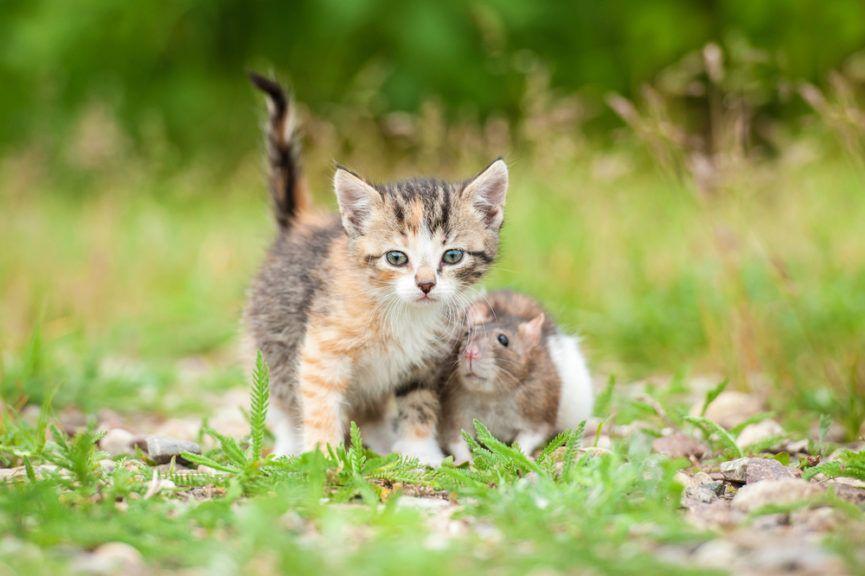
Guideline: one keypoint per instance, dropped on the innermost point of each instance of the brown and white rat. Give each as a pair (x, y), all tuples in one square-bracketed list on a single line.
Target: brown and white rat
[(517, 373)]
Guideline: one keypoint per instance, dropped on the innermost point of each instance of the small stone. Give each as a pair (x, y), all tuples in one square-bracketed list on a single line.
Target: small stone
[(699, 489), (698, 495), (718, 553), (797, 557), (849, 489), (715, 486), (161, 449), (760, 432), (734, 470), (181, 428), (118, 442), (731, 408), (835, 433), (823, 519), (797, 447), (679, 446), (750, 470), (111, 558), (72, 420), (423, 503), (11, 474), (760, 469), (108, 466), (784, 491)]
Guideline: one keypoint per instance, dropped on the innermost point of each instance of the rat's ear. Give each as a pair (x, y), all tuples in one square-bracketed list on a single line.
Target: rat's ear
[(530, 331), (356, 199), (478, 313)]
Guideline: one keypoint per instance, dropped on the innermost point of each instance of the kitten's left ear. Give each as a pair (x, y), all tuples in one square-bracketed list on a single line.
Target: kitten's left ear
[(487, 193), (530, 331), (356, 199)]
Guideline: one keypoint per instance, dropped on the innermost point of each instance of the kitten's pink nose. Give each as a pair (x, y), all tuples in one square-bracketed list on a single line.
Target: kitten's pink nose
[(425, 278)]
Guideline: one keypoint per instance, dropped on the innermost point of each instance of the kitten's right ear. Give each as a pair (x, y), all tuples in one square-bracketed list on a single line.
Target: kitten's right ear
[(356, 199), (487, 192)]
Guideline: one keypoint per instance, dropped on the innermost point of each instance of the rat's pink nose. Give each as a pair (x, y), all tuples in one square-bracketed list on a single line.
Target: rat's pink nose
[(472, 353)]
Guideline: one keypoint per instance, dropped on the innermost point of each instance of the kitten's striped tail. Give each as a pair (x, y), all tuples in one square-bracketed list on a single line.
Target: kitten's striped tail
[(287, 188)]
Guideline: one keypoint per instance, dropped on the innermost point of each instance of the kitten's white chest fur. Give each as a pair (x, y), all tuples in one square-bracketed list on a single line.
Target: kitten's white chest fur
[(577, 398), (416, 337)]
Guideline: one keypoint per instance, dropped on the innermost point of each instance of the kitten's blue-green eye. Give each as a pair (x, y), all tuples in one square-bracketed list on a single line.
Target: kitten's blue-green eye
[(452, 256), (396, 258)]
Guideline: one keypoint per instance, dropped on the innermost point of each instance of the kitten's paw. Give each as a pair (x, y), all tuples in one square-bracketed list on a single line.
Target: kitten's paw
[(460, 451), (426, 451)]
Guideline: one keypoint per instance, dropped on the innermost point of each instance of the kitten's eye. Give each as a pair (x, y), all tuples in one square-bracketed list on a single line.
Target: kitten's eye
[(396, 258), (503, 340), (452, 256)]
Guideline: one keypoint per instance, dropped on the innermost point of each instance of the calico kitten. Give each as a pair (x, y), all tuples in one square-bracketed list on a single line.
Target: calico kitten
[(346, 308), (517, 373)]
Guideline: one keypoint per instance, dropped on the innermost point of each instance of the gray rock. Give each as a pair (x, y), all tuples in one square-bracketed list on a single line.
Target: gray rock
[(734, 470), (823, 519), (679, 446), (731, 408), (118, 442), (751, 470), (720, 554), (424, 503), (695, 495), (760, 432), (848, 489), (800, 557), (161, 449), (797, 447), (12, 474), (784, 491), (700, 489), (111, 558)]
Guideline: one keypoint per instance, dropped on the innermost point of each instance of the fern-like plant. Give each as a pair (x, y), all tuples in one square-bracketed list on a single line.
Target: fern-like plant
[(78, 455), (849, 463), (245, 464), (259, 401)]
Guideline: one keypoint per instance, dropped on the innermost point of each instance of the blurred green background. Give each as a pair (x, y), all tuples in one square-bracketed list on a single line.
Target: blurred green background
[(687, 177), (176, 66)]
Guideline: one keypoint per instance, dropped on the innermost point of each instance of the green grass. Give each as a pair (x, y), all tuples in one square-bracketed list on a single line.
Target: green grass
[(114, 283), (760, 282), (568, 510)]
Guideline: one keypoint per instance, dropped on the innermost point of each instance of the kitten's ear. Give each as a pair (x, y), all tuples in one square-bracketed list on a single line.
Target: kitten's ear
[(530, 331), (356, 199), (487, 193)]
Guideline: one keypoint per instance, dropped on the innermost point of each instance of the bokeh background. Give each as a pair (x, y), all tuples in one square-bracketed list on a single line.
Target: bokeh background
[(688, 187)]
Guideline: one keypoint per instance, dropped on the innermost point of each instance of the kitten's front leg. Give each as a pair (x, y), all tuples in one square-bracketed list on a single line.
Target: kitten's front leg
[(322, 382), (529, 440), (417, 427), (459, 449)]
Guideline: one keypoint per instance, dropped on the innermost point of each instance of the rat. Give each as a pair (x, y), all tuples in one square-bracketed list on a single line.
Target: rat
[(516, 372)]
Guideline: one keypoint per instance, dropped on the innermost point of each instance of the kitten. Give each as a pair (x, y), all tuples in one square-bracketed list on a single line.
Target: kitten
[(346, 308), (517, 373)]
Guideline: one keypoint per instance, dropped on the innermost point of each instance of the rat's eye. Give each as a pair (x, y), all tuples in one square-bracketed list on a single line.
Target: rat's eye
[(452, 256), (396, 258), (503, 340)]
